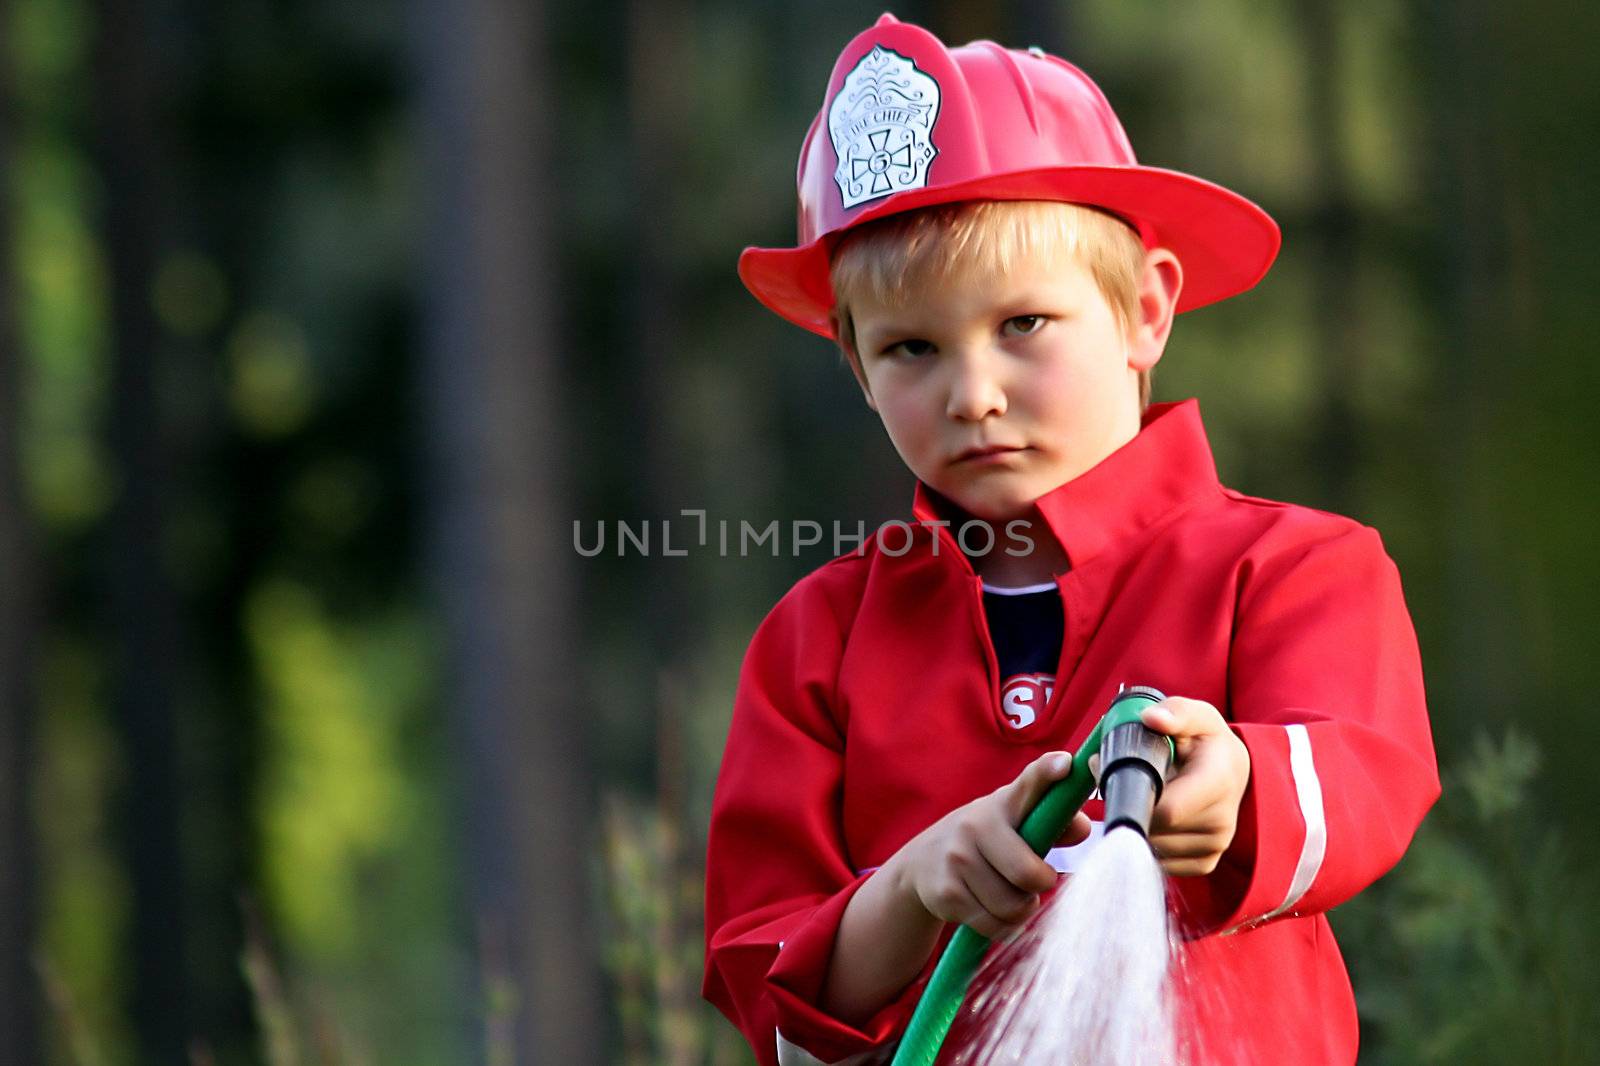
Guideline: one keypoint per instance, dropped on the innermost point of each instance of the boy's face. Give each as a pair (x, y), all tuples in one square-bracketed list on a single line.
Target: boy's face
[(997, 389)]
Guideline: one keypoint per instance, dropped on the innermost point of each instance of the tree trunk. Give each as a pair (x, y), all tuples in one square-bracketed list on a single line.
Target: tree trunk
[(661, 62), (660, 65), (143, 626), (1337, 341), (1468, 282), (495, 406), (19, 998)]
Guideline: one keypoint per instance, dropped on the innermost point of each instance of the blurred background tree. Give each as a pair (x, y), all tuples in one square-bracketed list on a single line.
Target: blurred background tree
[(321, 324), (19, 990)]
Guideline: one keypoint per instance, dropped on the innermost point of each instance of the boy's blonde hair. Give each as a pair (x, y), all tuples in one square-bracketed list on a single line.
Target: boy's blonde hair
[(894, 256)]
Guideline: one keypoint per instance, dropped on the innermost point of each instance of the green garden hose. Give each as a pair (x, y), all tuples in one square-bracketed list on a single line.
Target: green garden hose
[(947, 987)]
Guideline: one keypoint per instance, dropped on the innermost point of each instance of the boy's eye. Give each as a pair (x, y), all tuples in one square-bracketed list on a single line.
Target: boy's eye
[(1022, 325), (913, 347)]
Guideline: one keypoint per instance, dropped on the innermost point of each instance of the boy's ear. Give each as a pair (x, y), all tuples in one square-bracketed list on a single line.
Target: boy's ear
[(1159, 285), (847, 346)]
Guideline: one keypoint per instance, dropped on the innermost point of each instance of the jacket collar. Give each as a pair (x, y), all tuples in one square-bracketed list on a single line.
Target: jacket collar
[(1167, 464)]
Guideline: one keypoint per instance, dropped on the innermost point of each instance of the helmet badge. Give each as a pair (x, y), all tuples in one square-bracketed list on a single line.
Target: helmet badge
[(881, 123)]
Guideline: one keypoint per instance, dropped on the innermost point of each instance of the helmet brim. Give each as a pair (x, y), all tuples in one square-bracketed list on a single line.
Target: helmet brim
[(1225, 242)]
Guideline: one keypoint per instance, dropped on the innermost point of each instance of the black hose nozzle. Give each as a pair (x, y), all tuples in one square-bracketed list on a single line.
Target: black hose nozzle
[(1134, 763)]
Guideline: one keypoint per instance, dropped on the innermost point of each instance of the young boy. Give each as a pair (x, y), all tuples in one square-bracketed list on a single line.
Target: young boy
[(1002, 277)]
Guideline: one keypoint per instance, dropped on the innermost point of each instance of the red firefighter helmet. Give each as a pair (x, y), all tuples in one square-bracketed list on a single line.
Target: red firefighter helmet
[(907, 123)]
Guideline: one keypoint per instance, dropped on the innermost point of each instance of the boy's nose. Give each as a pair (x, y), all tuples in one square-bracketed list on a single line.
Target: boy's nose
[(976, 391)]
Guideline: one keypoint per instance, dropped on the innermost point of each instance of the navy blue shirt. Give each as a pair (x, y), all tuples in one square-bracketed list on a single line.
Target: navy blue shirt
[(1026, 627)]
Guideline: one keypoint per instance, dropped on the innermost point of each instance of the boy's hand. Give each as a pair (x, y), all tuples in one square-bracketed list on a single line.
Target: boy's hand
[(973, 867), (1194, 822)]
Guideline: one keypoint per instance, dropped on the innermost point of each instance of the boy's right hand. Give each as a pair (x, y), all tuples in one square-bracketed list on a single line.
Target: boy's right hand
[(972, 866)]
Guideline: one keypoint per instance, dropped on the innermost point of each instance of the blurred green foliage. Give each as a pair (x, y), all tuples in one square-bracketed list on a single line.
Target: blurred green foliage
[(85, 912), (1478, 948)]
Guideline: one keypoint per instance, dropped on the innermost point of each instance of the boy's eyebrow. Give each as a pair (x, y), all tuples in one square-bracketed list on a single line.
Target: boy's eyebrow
[(883, 327), (891, 329)]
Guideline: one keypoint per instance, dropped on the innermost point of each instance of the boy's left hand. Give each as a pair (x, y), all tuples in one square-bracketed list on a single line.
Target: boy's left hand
[(1194, 822)]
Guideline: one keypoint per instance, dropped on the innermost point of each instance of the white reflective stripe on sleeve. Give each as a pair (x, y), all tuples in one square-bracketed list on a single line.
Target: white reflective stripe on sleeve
[(792, 1054), (1308, 790)]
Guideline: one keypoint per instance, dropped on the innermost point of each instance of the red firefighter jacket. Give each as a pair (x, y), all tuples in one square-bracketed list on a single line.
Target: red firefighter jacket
[(868, 708)]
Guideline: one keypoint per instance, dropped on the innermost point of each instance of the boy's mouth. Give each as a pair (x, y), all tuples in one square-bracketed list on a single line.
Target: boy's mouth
[(988, 452)]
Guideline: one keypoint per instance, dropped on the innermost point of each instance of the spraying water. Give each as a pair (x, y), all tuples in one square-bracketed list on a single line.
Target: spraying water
[(1087, 981)]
